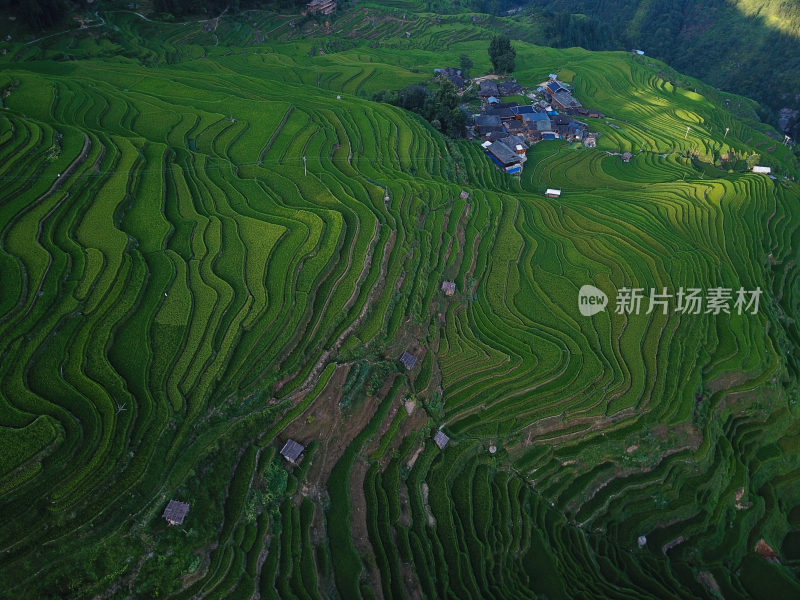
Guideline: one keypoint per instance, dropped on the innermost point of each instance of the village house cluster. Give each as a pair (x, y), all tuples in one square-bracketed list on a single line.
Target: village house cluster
[(321, 7), (455, 76), (507, 129)]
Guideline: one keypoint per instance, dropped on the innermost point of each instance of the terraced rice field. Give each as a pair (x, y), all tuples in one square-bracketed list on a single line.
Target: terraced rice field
[(199, 262)]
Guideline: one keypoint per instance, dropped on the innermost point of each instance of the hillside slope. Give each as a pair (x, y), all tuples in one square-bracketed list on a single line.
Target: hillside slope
[(212, 242), (747, 47)]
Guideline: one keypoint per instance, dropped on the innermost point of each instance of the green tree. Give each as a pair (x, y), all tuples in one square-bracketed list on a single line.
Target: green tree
[(447, 95), (465, 62), (502, 54), (40, 14), (456, 121)]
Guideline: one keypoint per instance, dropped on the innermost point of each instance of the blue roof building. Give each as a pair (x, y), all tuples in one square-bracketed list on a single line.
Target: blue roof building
[(537, 122), (536, 116)]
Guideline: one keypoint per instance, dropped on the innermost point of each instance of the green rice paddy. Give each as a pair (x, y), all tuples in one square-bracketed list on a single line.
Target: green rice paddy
[(196, 251)]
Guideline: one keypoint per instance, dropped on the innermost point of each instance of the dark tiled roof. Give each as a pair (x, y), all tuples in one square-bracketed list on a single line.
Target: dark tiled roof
[(175, 512), (508, 87), (524, 110), (503, 113), (489, 88), (457, 80), (503, 153), (494, 136), (512, 141), (491, 129), (292, 450), (487, 119), (566, 100)]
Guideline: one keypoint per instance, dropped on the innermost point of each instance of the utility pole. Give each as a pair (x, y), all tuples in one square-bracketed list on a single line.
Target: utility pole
[(726, 133), (305, 170), (687, 133)]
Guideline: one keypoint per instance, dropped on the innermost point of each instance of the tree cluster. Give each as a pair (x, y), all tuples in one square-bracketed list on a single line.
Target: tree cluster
[(502, 54), (465, 64), (724, 43), (38, 14), (564, 30), (440, 108), (44, 14), (489, 7), (181, 8)]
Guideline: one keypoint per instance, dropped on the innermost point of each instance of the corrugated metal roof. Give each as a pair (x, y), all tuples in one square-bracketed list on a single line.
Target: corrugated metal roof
[(566, 99), (292, 450), (176, 512), (408, 360)]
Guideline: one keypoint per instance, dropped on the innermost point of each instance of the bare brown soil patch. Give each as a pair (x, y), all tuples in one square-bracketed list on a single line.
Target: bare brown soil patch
[(765, 551), (324, 423), (708, 580)]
